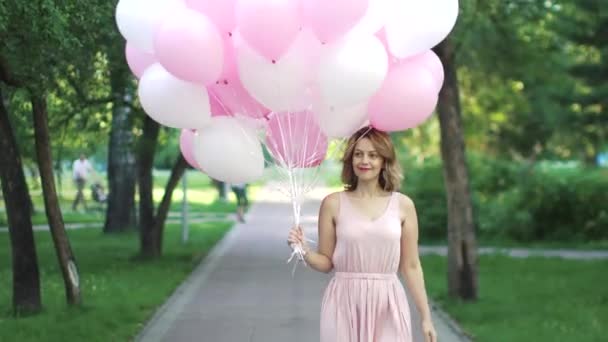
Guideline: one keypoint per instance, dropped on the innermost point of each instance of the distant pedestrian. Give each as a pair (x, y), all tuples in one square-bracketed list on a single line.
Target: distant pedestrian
[(80, 173), (240, 191)]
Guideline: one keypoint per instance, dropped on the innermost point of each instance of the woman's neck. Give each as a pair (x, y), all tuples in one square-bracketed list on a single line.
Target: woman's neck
[(368, 189)]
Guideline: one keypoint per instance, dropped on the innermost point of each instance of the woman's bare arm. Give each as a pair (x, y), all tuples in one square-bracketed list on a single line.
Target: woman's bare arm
[(321, 259), (409, 264)]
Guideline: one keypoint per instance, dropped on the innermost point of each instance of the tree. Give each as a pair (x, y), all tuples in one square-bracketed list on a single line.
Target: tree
[(121, 158), (584, 25), (67, 261), (37, 43), (462, 249), (26, 278), (145, 163), (491, 45), (152, 235)]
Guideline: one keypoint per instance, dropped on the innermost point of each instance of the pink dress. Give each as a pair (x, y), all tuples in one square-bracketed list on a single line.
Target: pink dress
[(365, 301)]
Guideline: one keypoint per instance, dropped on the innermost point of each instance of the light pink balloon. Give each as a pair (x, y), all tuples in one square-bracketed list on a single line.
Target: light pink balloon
[(431, 62), (295, 140), (221, 12), (228, 95), (190, 47), (427, 59), (217, 107), (186, 146), (137, 60), (269, 27), (406, 99), (331, 19)]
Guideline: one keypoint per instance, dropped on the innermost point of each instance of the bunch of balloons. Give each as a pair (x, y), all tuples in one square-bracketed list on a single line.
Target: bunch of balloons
[(304, 70)]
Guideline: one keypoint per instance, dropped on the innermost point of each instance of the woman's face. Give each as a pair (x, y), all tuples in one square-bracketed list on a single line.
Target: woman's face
[(367, 162)]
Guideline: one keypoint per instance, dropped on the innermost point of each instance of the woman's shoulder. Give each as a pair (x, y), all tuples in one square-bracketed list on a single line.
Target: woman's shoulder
[(332, 199), (331, 202), (404, 200)]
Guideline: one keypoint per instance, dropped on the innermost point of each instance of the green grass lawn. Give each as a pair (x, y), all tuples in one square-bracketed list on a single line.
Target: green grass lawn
[(202, 198), (534, 299), (572, 244), (119, 292), (505, 243)]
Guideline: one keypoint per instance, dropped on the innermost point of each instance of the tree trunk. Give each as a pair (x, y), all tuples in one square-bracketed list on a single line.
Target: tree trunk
[(156, 235), (26, 277), (67, 262), (462, 249), (121, 160), (145, 163)]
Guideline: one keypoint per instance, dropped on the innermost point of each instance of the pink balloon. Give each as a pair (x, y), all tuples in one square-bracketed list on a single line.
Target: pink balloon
[(431, 62), (228, 95), (190, 47), (295, 140), (221, 12), (427, 59), (186, 146), (269, 27), (217, 107), (137, 60), (406, 99), (331, 19)]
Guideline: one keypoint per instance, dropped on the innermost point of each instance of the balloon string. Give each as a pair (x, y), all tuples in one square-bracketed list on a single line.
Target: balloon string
[(297, 248)]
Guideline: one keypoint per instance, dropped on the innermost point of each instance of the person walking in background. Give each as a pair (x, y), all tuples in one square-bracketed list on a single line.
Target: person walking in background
[(80, 173), (368, 234), (240, 191)]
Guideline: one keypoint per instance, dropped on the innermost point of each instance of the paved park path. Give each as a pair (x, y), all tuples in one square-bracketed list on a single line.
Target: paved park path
[(244, 291)]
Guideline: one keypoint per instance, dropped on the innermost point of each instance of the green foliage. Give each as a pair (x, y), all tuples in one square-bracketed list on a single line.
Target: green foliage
[(532, 79), (566, 204), (41, 37), (167, 149), (54, 48), (549, 203), (522, 202), (424, 185), (584, 24)]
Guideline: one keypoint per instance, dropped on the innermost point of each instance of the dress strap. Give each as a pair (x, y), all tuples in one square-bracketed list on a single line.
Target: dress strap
[(345, 205)]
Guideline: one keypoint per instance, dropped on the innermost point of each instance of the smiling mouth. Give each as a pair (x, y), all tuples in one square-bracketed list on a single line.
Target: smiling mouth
[(363, 169)]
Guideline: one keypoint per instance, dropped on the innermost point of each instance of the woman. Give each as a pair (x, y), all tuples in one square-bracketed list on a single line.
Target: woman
[(367, 234)]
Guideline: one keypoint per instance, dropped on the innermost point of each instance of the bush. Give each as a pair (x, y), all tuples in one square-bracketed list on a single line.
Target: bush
[(424, 185), (491, 176), (566, 203), (545, 202), (499, 217)]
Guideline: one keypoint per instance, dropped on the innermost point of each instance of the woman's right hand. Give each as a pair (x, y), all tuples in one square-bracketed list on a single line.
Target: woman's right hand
[(296, 236)]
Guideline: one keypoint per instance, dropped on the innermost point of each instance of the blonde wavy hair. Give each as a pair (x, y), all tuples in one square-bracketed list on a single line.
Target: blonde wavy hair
[(390, 176)]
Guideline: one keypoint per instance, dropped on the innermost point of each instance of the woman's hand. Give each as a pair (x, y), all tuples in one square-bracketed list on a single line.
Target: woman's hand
[(428, 330), (296, 236)]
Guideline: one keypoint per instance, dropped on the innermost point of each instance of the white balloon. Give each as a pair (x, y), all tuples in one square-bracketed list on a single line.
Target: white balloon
[(352, 70), (229, 151), (415, 26), (375, 18), (282, 85), (137, 20), (341, 122), (173, 102)]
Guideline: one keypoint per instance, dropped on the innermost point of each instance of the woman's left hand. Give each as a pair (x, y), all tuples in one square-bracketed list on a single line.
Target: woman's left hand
[(428, 330)]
